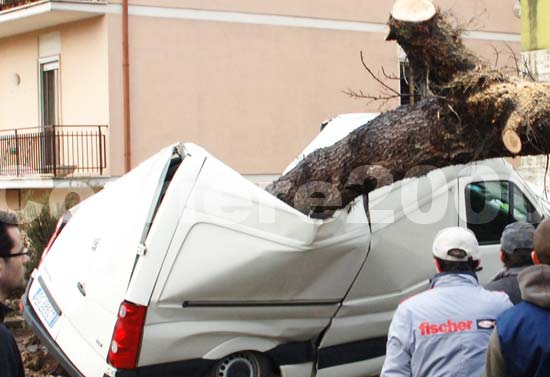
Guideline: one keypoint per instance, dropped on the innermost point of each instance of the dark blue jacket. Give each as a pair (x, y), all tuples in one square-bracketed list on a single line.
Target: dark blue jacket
[(524, 335), (10, 360), (520, 346)]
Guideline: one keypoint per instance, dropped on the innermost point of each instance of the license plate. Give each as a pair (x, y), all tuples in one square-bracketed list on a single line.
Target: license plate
[(42, 304)]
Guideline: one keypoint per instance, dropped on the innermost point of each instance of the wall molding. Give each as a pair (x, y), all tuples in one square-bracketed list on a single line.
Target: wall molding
[(266, 19)]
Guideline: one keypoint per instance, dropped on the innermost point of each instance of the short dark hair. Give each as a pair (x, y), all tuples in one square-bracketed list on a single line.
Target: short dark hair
[(466, 266), (542, 241), (517, 259), (7, 220)]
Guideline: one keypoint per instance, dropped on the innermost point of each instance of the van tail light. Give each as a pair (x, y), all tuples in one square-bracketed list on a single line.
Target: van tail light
[(126, 340), (63, 220)]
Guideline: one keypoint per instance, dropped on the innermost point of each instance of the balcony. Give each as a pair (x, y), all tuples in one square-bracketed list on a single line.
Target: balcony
[(21, 16), (53, 151), (6, 4)]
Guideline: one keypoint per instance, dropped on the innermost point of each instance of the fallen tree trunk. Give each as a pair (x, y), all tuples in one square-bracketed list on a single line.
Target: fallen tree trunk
[(468, 112)]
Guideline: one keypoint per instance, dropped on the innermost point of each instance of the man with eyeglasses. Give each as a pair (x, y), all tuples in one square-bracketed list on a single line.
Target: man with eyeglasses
[(13, 258)]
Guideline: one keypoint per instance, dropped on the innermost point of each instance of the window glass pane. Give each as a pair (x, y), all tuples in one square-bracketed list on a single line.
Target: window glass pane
[(523, 209), (49, 97), (49, 100), (487, 210)]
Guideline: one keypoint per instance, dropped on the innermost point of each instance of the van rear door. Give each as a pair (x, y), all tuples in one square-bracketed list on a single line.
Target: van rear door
[(88, 268)]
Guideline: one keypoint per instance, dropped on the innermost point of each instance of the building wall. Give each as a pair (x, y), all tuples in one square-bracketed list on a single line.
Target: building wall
[(487, 15), (83, 75), (18, 82), (253, 95), (535, 25), (85, 84), (358, 10), (28, 203), (535, 43), (116, 103), (502, 55), (248, 80), (483, 15), (253, 89)]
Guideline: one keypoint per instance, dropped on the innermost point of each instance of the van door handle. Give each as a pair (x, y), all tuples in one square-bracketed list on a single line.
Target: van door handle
[(80, 287)]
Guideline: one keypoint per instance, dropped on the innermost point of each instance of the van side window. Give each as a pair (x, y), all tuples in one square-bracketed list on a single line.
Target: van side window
[(523, 209), (490, 206)]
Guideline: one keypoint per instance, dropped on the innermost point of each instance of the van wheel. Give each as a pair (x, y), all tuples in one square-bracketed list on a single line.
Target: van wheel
[(243, 364)]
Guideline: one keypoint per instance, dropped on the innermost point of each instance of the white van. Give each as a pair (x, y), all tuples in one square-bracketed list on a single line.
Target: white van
[(183, 267)]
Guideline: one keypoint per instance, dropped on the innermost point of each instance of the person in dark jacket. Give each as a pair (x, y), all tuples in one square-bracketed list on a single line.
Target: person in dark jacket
[(515, 252), (13, 258), (520, 345)]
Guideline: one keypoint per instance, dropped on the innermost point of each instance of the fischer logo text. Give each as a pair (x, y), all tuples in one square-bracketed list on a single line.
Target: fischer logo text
[(427, 328)]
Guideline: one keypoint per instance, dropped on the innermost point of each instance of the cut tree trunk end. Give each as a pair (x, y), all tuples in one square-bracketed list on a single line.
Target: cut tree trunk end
[(468, 112), (413, 10), (511, 140)]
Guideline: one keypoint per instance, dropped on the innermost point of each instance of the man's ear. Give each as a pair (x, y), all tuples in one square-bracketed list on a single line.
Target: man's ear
[(437, 266), (502, 255), (535, 257)]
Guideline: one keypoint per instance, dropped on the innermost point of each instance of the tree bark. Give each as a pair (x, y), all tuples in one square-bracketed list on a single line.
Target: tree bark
[(468, 112)]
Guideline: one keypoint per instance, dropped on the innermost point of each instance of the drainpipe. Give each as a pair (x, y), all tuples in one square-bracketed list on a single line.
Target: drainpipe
[(126, 83)]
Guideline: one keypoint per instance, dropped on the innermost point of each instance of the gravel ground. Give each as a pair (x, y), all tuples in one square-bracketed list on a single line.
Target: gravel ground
[(36, 360)]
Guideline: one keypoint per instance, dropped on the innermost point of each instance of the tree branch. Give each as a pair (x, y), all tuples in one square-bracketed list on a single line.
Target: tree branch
[(471, 112)]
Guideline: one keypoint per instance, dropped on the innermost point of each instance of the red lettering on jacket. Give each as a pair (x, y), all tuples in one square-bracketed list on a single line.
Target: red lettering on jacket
[(427, 328)]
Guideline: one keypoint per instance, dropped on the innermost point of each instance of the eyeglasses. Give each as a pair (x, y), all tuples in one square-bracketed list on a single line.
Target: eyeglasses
[(23, 251)]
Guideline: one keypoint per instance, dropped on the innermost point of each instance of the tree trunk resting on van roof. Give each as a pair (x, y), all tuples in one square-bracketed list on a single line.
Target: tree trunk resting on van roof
[(469, 111)]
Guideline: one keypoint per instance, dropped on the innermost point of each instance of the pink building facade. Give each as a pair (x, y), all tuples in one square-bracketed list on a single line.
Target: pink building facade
[(250, 81)]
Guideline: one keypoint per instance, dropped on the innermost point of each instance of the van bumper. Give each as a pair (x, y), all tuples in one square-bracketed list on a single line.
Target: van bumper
[(32, 320), (196, 367)]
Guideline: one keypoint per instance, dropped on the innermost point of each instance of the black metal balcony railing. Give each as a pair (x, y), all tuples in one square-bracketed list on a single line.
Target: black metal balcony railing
[(53, 150), (5, 4)]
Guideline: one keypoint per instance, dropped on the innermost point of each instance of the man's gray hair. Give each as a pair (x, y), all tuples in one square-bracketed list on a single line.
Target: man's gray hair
[(8, 217)]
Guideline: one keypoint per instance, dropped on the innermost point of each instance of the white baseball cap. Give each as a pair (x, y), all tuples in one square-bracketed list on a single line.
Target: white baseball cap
[(456, 244)]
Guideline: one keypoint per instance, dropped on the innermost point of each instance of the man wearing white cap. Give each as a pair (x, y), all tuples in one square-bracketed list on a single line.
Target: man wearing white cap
[(445, 330)]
